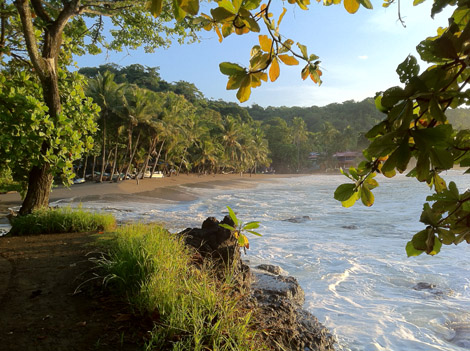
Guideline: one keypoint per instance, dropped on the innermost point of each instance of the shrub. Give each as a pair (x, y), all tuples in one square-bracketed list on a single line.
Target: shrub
[(61, 220)]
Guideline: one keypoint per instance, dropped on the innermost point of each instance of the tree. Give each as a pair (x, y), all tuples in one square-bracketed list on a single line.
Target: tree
[(417, 127), (43, 34)]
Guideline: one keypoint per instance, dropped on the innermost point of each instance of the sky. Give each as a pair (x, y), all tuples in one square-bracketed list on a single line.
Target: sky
[(359, 54)]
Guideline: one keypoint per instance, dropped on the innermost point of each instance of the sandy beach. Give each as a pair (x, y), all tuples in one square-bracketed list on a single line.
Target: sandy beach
[(168, 188)]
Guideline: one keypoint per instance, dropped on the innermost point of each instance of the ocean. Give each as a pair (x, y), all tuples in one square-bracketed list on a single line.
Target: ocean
[(351, 262)]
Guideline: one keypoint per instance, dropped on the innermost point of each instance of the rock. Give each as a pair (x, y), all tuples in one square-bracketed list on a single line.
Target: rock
[(271, 269), (279, 300), (351, 226), (424, 286), (218, 244), (275, 299), (299, 219), (213, 241)]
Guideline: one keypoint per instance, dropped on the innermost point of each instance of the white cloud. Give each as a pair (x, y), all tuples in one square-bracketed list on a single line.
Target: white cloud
[(363, 57)]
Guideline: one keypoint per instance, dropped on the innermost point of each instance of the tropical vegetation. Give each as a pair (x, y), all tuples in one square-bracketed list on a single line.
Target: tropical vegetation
[(191, 308)]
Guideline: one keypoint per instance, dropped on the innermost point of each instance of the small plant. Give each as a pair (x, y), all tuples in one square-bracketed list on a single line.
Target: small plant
[(239, 228)]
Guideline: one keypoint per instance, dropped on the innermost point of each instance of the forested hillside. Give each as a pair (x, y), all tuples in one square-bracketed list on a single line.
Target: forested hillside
[(220, 136)]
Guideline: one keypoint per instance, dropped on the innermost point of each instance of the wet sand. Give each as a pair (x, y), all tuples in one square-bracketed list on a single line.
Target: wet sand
[(168, 188)]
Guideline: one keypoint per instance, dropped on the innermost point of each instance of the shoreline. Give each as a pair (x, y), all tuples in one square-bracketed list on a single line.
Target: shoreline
[(168, 188)]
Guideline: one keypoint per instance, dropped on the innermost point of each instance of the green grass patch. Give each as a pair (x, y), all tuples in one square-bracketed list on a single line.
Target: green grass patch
[(61, 220), (191, 309)]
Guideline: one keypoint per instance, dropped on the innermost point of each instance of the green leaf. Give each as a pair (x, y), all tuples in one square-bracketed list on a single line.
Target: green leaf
[(251, 4), (303, 50), (436, 248), (411, 251), (219, 14), (383, 145), (251, 225), (178, 12), (367, 4), (399, 159), (344, 192), (392, 96), (156, 7), (422, 167), (232, 216), (226, 226), (428, 216), (253, 232), (447, 236), (419, 240), (230, 69), (436, 111), (190, 6), (367, 197), (437, 137), (442, 159), (408, 69)]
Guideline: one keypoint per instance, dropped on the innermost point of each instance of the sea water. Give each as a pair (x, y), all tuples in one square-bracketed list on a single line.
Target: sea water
[(351, 262)]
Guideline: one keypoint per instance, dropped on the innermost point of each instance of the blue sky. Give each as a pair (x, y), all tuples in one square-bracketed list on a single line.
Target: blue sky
[(359, 54)]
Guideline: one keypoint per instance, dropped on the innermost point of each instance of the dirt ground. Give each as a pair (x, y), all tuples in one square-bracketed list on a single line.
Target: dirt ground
[(41, 308)]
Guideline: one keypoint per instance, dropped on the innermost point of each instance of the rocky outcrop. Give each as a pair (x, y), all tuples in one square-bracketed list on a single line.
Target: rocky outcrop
[(275, 298)]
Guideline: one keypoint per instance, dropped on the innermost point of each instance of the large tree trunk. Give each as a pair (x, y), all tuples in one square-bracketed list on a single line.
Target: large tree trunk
[(39, 187)]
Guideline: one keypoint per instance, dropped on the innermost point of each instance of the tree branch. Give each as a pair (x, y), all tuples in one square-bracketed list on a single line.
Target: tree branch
[(39, 10), (28, 29)]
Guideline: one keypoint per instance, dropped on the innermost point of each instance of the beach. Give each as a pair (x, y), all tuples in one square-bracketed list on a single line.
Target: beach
[(168, 188)]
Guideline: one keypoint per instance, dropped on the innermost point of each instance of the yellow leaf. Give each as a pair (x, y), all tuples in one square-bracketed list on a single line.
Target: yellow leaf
[(217, 30), (351, 5), (281, 16), (305, 72), (274, 70), (244, 92), (352, 200), (242, 30), (288, 60), (227, 29), (265, 43), (235, 81)]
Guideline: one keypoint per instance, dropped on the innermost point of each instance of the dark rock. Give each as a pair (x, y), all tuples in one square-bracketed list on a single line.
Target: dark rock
[(423, 286), (276, 300), (351, 226), (271, 268), (213, 241), (300, 219)]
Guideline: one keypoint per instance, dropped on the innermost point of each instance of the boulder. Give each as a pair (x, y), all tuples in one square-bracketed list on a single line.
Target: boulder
[(275, 299)]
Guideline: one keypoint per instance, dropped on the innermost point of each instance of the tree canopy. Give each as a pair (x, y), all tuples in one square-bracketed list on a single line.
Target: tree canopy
[(417, 127)]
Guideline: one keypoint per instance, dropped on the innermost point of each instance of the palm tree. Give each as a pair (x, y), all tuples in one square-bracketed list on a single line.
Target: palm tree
[(106, 93)]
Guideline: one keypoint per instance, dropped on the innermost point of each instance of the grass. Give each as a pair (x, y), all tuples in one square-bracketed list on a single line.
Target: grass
[(190, 308), (61, 220)]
